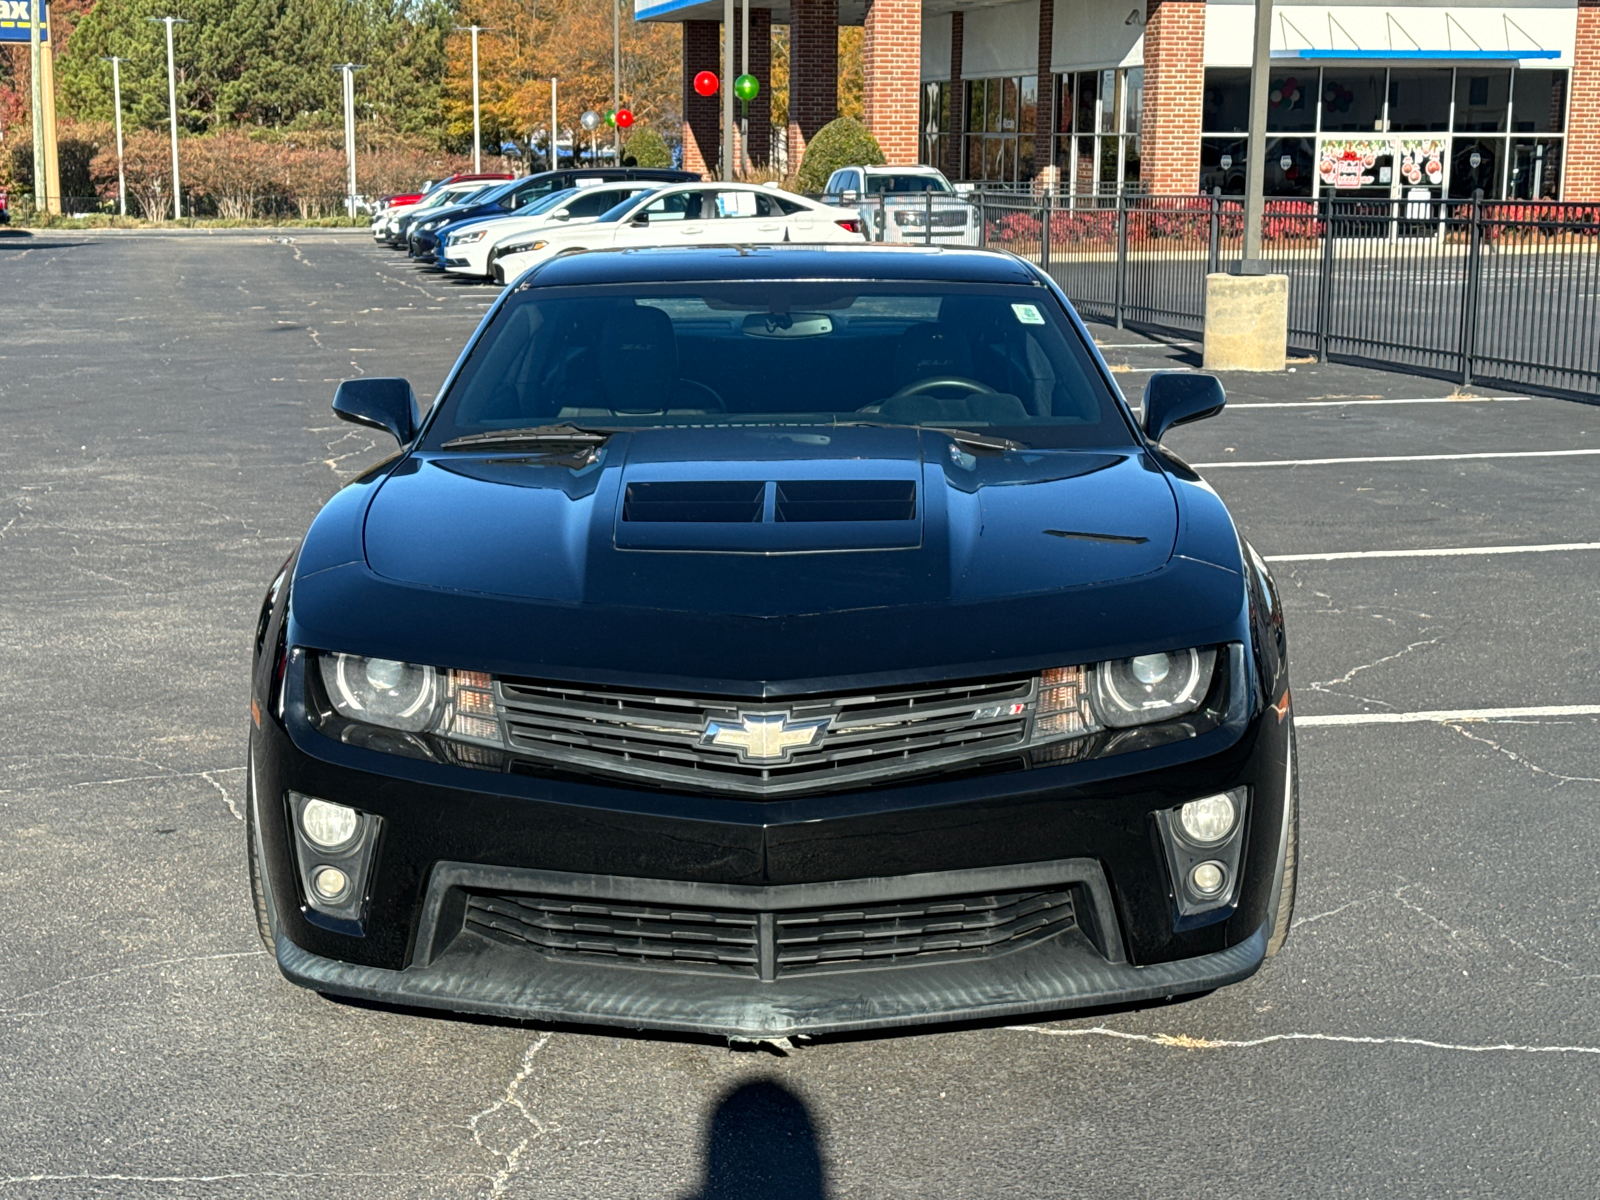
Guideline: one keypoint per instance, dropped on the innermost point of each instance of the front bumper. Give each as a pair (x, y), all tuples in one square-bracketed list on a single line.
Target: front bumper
[(1085, 829)]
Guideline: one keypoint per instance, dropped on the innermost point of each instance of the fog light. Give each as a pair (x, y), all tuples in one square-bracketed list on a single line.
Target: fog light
[(329, 826), (330, 883), (1207, 878), (1209, 820)]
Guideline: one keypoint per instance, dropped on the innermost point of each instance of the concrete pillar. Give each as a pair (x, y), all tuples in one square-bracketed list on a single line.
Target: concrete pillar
[(1581, 164), (891, 59), (1174, 83), (702, 115), (813, 72), (1043, 125), (759, 146), (1247, 322), (955, 148)]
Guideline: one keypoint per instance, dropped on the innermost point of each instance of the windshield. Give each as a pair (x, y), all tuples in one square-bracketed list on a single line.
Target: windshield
[(905, 183), (1000, 359), (546, 203), (442, 197), (617, 212)]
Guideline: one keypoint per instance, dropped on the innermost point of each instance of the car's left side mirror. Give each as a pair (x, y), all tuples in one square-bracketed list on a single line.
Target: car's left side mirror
[(1178, 397), (380, 404)]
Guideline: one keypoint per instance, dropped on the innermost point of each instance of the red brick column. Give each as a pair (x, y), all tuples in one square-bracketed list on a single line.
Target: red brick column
[(1174, 78), (1582, 164), (813, 72), (1044, 171), (702, 115), (759, 146), (891, 60), (954, 147)]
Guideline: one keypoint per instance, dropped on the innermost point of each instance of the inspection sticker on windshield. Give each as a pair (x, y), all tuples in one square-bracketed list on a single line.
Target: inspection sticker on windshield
[(1028, 314)]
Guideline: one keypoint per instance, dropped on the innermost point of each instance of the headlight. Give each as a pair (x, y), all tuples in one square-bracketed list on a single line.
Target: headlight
[(1151, 687), (462, 239), (522, 248), (459, 705), (381, 691)]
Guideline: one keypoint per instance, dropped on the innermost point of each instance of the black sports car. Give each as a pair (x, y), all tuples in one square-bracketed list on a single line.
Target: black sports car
[(762, 641)]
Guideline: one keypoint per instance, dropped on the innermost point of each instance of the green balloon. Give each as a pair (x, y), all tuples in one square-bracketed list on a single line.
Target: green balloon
[(611, 116), (746, 88)]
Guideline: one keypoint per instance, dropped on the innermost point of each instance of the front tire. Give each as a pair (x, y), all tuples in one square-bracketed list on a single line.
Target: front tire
[(258, 896), (1291, 856)]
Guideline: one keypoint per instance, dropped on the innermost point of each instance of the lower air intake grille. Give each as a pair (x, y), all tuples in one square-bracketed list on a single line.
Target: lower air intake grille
[(772, 945)]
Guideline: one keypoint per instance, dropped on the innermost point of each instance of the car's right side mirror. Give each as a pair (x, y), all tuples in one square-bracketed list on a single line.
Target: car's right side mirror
[(1178, 397), (387, 404), (642, 219)]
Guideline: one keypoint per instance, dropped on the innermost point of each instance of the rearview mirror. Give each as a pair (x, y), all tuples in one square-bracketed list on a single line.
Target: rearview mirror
[(386, 404), (1176, 398)]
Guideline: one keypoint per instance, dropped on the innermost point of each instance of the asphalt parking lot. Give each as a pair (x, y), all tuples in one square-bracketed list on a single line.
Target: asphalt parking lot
[(1431, 1028)]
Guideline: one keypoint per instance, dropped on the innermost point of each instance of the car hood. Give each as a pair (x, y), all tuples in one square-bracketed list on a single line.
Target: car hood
[(772, 522)]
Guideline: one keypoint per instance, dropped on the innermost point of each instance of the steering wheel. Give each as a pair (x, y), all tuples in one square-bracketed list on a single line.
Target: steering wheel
[(717, 402), (917, 386)]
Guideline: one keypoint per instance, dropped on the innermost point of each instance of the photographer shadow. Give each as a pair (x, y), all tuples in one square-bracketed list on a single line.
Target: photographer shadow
[(761, 1144)]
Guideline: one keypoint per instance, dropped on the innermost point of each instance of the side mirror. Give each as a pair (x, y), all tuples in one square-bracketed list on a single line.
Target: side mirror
[(642, 219), (560, 215), (849, 197), (1176, 398), (380, 404)]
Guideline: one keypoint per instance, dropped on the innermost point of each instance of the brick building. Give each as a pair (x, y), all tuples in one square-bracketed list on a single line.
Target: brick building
[(1152, 95)]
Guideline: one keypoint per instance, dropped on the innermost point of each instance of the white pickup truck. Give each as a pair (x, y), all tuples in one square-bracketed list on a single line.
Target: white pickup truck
[(905, 204)]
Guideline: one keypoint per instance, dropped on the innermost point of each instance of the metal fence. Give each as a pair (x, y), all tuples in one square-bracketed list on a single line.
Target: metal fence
[(1501, 293)]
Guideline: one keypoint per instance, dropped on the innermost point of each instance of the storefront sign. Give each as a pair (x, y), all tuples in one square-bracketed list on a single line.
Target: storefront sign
[(15, 17), (1351, 164)]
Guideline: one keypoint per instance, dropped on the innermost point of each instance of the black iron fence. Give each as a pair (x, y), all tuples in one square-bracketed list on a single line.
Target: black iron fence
[(1502, 293)]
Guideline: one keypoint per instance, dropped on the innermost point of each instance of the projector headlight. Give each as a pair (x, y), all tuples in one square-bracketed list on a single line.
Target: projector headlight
[(381, 691), (522, 247), (462, 239), (1152, 687)]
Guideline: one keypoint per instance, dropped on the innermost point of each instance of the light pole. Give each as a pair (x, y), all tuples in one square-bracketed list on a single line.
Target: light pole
[(555, 153), (727, 91), (116, 95), (616, 75), (172, 112), (1255, 155), (477, 134), (744, 69), (348, 70), (36, 66)]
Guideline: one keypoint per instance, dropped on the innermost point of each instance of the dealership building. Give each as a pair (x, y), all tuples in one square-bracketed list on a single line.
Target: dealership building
[(1407, 101)]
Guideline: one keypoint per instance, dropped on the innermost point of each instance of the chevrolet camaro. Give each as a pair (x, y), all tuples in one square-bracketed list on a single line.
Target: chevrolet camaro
[(777, 640)]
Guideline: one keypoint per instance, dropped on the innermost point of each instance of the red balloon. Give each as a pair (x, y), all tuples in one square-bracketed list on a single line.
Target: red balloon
[(624, 118), (706, 83)]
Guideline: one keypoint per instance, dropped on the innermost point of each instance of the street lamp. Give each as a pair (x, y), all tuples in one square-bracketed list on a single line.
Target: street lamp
[(1255, 156), (477, 135), (36, 68), (116, 94), (172, 112), (348, 70), (616, 74)]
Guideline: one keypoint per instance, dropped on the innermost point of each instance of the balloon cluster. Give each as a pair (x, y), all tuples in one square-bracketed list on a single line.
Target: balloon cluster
[(1287, 94), (1337, 98)]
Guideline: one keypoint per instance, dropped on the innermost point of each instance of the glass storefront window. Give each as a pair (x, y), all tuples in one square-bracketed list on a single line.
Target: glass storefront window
[(1087, 90), (1419, 100), (1535, 167), (1291, 166), (1481, 99), (975, 95), (1292, 102), (1064, 102), (994, 120), (1225, 104), (1222, 165), (1008, 106), (1110, 94), (1352, 100), (1539, 102), (1027, 115), (1475, 163)]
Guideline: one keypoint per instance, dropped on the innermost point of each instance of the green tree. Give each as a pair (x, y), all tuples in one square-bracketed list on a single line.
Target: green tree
[(841, 143), (647, 149)]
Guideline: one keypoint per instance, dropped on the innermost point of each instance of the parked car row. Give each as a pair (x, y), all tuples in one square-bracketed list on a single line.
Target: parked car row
[(497, 227)]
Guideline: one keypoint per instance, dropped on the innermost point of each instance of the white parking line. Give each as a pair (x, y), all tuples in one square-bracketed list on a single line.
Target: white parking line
[(1405, 400), (1443, 552), (1142, 345), (1451, 714), (1324, 462)]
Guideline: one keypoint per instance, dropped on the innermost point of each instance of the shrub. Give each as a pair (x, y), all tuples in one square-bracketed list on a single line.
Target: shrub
[(841, 143), (648, 148)]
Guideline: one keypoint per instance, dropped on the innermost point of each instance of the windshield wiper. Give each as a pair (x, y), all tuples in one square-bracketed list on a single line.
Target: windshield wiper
[(533, 435), (962, 437)]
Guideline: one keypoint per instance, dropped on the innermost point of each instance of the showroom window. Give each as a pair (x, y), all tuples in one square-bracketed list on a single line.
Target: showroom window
[(1096, 143), (1406, 132), (1001, 116), (934, 124)]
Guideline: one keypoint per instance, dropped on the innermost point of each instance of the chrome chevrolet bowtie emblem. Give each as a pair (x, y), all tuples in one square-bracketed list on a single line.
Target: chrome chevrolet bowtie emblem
[(764, 737)]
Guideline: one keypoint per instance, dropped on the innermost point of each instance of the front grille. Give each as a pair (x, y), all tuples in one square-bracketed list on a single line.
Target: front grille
[(770, 945), (771, 748)]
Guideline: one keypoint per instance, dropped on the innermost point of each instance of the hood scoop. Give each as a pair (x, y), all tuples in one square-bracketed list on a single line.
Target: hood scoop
[(769, 516)]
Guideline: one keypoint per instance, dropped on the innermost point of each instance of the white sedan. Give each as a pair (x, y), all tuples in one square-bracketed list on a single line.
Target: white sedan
[(689, 214), (473, 249)]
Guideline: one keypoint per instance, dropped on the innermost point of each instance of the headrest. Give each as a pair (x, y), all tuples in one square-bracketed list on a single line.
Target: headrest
[(638, 359), (928, 351)]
